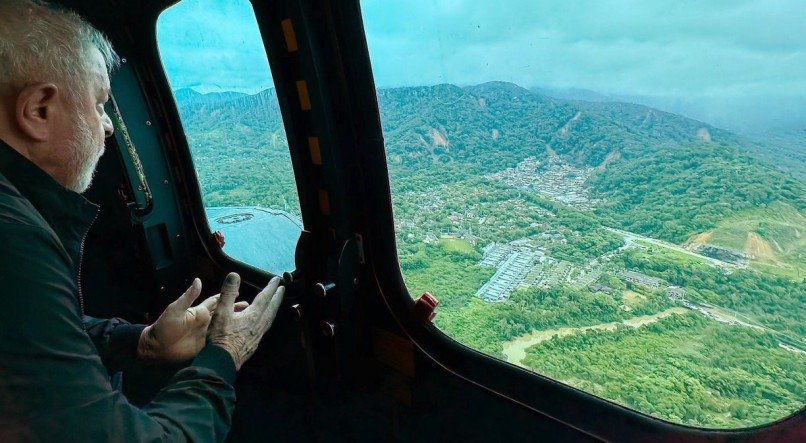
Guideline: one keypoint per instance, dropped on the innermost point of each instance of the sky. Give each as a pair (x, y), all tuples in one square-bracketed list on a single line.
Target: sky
[(730, 62)]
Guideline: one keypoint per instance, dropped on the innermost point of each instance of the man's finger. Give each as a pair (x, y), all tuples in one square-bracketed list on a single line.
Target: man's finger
[(229, 292), (241, 305), (210, 303), (263, 298), (200, 313), (186, 300), (270, 313)]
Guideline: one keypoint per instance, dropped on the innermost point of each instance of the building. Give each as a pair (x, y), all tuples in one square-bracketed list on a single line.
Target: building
[(641, 279)]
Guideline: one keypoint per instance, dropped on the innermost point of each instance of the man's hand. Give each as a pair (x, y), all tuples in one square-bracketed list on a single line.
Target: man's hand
[(239, 333), (180, 332)]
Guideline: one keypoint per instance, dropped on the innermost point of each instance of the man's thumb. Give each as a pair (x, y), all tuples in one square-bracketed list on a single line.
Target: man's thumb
[(229, 292), (186, 300)]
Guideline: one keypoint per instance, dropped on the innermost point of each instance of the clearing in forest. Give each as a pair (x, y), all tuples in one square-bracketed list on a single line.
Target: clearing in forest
[(456, 245), (773, 236), (758, 248), (632, 298), (697, 240)]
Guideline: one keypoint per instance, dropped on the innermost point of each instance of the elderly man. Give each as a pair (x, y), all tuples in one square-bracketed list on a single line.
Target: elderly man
[(55, 362)]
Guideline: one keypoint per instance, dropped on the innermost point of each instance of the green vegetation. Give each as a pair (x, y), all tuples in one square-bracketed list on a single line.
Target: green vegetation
[(487, 326), (772, 236), (458, 273), (685, 369), (456, 245), (496, 169), (672, 193), (774, 302), (241, 157)]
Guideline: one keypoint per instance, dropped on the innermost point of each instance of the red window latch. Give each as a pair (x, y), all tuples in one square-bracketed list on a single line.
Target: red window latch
[(425, 307), (218, 237)]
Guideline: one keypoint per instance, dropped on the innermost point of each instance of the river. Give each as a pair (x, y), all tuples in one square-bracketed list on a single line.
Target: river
[(515, 349)]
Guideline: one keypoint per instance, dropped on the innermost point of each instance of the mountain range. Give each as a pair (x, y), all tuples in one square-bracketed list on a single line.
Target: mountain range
[(656, 173)]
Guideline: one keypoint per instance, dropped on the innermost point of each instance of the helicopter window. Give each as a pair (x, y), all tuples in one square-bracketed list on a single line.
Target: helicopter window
[(618, 204), (216, 63)]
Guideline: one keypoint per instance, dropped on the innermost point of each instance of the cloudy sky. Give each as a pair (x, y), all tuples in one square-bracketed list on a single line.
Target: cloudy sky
[(730, 62)]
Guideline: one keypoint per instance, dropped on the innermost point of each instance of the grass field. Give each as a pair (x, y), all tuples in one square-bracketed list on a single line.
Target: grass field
[(456, 245), (632, 298), (677, 256)]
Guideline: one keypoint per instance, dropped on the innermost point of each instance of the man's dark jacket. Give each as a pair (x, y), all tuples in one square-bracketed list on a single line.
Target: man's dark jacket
[(54, 363)]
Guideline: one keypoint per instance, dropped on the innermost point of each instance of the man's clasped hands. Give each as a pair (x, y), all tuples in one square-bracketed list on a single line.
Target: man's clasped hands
[(182, 330)]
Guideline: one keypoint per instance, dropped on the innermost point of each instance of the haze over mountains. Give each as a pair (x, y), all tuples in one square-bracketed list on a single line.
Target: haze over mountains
[(746, 116), (776, 130)]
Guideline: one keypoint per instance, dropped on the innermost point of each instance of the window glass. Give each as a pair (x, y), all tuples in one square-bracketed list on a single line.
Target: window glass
[(217, 66), (608, 193)]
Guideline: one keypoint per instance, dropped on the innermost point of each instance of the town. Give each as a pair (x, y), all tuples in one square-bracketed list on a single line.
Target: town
[(557, 180)]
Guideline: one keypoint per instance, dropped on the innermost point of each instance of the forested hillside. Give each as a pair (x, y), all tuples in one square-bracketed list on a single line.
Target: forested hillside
[(240, 149), (645, 159)]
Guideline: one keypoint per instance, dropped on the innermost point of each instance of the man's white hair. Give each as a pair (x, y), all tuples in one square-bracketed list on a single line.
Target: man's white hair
[(41, 43)]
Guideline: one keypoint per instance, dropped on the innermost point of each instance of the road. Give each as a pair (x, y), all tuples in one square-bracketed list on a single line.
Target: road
[(631, 237)]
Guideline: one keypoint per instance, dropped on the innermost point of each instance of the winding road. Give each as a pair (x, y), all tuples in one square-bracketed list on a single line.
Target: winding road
[(515, 349)]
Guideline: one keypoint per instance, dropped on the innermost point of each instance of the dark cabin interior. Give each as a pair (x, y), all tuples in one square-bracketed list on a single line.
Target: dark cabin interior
[(351, 357)]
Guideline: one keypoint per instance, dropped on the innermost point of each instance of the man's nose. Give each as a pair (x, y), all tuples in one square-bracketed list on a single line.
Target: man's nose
[(109, 128)]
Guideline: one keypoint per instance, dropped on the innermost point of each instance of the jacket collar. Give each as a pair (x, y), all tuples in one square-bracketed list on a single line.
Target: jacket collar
[(68, 213)]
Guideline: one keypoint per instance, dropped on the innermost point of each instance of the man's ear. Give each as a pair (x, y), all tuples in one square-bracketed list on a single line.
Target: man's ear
[(36, 109)]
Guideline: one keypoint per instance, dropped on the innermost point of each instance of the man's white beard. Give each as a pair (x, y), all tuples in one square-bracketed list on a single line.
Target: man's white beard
[(85, 156)]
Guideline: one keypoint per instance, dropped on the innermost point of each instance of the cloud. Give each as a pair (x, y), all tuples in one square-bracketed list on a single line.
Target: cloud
[(213, 43), (720, 50), (676, 45), (731, 61)]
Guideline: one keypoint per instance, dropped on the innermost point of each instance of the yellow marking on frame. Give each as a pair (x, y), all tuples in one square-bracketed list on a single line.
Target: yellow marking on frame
[(290, 36), (324, 202), (304, 98), (316, 154)]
